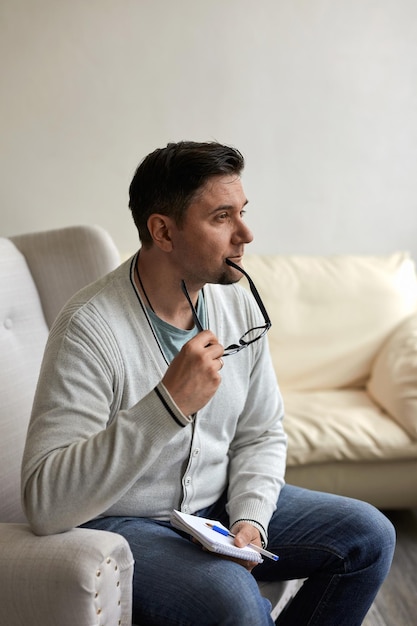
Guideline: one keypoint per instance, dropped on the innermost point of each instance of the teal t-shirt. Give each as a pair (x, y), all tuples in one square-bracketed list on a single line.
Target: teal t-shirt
[(172, 338)]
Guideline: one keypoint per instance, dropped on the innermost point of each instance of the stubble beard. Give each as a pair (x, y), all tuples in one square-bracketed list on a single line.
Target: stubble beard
[(226, 279)]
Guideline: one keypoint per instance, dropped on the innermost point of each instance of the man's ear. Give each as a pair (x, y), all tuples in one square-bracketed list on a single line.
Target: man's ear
[(159, 227)]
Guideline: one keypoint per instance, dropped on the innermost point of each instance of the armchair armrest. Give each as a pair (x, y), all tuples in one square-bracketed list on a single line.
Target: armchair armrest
[(393, 381), (81, 577)]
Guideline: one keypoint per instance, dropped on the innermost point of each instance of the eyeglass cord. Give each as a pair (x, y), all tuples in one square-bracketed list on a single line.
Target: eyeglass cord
[(141, 285)]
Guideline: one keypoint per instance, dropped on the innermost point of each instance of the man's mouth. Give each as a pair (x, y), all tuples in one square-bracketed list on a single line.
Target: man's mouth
[(236, 259), (233, 260)]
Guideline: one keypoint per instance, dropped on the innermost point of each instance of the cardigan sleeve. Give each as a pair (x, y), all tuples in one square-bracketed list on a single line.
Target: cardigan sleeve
[(82, 451)]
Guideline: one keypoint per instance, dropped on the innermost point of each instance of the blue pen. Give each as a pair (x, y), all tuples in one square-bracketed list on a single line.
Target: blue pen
[(227, 533)]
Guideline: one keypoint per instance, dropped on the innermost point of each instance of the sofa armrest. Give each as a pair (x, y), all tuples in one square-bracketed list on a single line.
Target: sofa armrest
[(393, 380), (66, 579)]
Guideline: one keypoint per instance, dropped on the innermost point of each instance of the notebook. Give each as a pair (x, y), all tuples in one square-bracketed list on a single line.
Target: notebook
[(211, 539)]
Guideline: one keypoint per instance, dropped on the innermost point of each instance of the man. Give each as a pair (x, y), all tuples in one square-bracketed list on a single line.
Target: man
[(149, 401)]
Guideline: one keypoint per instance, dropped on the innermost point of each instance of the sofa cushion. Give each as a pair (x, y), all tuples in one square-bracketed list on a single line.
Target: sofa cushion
[(23, 334), (393, 382), (342, 425), (330, 315)]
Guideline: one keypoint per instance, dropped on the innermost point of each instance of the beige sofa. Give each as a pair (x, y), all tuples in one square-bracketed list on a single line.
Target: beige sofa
[(344, 344)]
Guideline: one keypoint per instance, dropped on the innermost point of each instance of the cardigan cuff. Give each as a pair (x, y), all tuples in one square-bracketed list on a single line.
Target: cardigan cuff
[(171, 406)]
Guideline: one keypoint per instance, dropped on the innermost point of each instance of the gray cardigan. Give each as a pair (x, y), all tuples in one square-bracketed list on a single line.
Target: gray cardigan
[(106, 438)]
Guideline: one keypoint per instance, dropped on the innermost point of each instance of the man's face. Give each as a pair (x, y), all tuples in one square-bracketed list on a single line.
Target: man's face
[(213, 230)]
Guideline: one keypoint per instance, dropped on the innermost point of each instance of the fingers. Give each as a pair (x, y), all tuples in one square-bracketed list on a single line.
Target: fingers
[(245, 533), (207, 339), (193, 376)]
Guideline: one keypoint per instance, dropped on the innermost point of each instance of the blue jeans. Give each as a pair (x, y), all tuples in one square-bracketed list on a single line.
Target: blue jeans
[(343, 547)]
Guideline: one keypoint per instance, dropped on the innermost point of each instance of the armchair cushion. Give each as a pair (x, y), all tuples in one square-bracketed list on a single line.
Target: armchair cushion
[(23, 333), (393, 380), (81, 577)]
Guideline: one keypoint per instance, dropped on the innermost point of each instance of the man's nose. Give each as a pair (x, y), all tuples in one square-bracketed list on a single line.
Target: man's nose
[(242, 233)]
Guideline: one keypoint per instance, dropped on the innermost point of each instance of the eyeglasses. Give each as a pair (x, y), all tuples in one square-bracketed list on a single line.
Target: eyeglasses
[(251, 335)]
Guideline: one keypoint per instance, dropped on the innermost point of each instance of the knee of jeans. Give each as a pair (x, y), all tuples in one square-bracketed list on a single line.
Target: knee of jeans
[(387, 536), (375, 537), (385, 531)]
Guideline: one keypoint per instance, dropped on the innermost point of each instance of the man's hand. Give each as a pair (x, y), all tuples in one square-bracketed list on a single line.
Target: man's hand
[(245, 533), (193, 376)]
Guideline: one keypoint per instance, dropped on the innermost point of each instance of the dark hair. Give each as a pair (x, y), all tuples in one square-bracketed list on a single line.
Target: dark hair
[(167, 179)]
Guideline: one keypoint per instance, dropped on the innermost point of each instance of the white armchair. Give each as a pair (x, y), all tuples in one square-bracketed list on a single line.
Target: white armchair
[(82, 577)]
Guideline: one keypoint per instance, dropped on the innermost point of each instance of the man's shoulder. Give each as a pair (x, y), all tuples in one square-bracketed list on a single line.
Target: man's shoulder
[(99, 297)]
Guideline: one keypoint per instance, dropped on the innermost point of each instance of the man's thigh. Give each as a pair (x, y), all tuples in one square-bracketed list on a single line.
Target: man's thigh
[(313, 531), (177, 582)]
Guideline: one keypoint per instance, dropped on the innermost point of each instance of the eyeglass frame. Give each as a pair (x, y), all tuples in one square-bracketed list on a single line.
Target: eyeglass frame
[(234, 348)]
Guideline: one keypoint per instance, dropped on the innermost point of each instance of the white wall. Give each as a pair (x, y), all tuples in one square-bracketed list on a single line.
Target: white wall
[(320, 96)]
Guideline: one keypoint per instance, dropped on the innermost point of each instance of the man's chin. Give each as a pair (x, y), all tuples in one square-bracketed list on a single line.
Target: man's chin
[(229, 277)]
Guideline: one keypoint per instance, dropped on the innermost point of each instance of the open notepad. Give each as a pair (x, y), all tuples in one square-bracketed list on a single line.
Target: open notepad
[(210, 539)]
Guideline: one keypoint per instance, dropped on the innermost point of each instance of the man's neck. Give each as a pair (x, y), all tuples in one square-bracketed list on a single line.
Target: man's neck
[(160, 288)]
